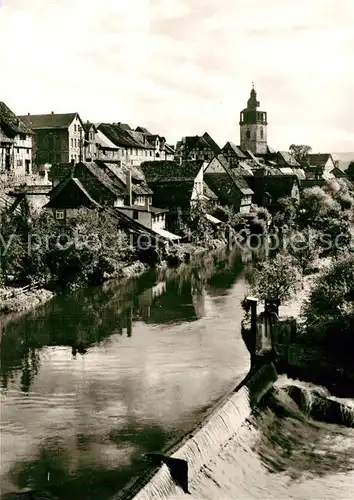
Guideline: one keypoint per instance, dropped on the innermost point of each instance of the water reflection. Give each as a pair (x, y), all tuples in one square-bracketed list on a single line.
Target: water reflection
[(92, 380)]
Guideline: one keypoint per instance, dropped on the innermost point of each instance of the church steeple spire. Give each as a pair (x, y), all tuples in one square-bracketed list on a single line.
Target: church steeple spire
[(253, 126), (252, 102)]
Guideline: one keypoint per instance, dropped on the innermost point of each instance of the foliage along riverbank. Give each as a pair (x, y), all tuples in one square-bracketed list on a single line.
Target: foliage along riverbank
[(312, 278), (90, 250)]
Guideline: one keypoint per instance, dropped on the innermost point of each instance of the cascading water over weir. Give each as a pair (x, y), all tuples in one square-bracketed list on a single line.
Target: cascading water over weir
[(221, 458), (180, 467)]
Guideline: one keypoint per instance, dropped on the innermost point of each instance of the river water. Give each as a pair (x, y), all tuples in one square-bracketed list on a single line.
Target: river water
[(92, 381)]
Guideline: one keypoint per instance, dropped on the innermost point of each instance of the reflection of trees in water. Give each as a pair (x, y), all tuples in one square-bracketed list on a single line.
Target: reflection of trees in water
[(70, 467), (88, 316)]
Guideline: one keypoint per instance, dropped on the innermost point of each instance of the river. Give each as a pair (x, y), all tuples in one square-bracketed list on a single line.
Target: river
[(93, 380)]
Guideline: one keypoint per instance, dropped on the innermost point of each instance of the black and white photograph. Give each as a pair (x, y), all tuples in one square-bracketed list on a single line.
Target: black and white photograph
[(176, 249)]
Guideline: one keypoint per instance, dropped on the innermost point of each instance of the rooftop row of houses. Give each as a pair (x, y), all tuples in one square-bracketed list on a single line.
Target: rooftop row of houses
[(140, 178)]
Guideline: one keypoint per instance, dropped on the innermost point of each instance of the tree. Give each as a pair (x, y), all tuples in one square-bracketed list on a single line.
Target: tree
[(316, 204), (287, 213), (329, 311), (276, 279), (299, 151), (304, 247)]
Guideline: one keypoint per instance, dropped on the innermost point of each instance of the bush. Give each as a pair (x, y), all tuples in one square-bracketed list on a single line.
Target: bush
[(329, 311)]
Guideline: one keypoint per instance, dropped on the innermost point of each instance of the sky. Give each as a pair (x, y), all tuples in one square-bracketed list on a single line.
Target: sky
[(183, 67)]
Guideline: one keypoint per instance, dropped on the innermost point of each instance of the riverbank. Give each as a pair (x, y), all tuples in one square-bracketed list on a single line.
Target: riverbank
[(300, 358), (13, 300)]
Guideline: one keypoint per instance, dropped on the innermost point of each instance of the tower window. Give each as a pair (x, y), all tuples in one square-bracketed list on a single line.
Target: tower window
[(262, 133), (248, 134)]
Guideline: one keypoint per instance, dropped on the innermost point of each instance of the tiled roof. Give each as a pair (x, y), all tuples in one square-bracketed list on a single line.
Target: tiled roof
[(51, 120), (211, 143), (58, 198), (118, 172), (169, 149), (4, 138), (172, 194), (318, 160), (104, 142), (288, 158), (170, 171), (228, 192), (102, 176), (198, 142), (119, 136), (339, 174), (277, 186), (7, 203), (11, 124), (143, 130), (230, 147), (141, 139)]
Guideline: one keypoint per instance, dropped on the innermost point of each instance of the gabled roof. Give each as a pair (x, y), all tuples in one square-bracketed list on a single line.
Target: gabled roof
[(88, 126), (277, 186), (339, 174), (169, 149), (320, 159), (230, 147), (288, 158), (141, 139), (173, 194), (8, 204), (232, 175), (143, 130), (101, 175), (252, 156), (51, 120), (57, 196), (104, 142), (119, 136), (170, 171), (228, 192), (119, 172), (10, 124), (189, 143), (211, 143)]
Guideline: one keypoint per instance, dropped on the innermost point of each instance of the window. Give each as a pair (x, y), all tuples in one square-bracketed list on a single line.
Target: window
[(72, 142), (19, 163), (248, 134), (262, 133), (59, 214), (135, 215), (75, 142), (58, 157), (27, 151), (74, 128)]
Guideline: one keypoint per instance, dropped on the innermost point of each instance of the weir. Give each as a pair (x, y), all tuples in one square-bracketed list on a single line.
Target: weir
[(180, 466)]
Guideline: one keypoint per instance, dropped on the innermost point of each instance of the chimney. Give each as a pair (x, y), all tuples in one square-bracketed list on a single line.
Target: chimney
[(52, 112), (28, 114), (129, 188), (147, 203)]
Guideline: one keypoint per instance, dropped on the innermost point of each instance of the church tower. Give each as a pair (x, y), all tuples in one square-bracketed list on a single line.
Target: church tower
[(253, 127)]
